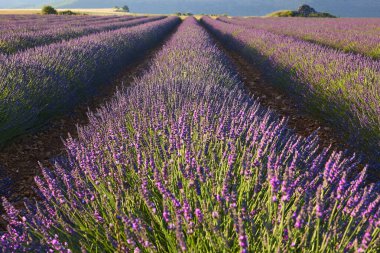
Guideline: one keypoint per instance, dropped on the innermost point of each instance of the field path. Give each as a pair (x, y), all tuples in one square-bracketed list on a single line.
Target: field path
[(278, 100), (19, 160)]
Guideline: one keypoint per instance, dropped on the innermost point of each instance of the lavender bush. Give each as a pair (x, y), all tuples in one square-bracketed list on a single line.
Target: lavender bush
[(184, 160), (12, 42), (338, 87), (38, 82), (13, 23), (357, 35), (16, 24)]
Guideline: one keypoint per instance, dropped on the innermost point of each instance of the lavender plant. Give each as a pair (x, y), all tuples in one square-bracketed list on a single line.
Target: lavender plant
[(347, 34), (39, 82), (12, 42), (35, 22), (184, 160), (337, 87), (21, 23)]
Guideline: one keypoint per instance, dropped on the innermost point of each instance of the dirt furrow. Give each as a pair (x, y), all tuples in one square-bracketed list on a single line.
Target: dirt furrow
[(285, 105)]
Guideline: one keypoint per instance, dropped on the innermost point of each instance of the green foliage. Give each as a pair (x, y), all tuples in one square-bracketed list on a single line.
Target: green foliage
[(68, 12), (184, 14), (375, 53), (124, 8), (289, 13), (283, 13), (322, 15), (48, 10)]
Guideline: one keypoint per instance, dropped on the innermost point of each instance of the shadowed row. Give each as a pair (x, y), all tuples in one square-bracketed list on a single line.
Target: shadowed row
[(39, 82), (340, 88)]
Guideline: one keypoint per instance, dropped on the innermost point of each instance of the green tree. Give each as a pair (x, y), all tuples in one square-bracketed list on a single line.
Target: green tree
[(125, 8), (47, 10)]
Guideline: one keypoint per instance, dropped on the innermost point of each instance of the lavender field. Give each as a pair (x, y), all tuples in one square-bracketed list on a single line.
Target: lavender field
[(185, 155), (359, 36), (342, 88)]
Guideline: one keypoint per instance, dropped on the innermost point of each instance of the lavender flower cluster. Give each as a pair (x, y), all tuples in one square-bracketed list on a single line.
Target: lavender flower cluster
[(184, 160), (20, 23), (347, 34), (12, 41), (340, 88), (36, 83), (15, 23)]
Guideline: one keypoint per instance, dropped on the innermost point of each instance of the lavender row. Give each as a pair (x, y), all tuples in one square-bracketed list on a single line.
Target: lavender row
[(347, 34), (14, 42), (340, 88), (10, 26), (186, 161), (30, 19), (36, 83)]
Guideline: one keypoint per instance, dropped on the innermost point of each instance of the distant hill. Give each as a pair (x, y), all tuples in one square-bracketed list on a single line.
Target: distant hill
[(303, 11), (342, 8)]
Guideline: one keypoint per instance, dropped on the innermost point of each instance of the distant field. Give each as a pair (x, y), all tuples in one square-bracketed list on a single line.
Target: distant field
[(19, 11), (105, 11), (100, 12)]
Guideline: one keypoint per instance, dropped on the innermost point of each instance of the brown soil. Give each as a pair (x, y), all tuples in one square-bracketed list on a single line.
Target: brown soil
[(272, 97), (19, 160), (269, 95)]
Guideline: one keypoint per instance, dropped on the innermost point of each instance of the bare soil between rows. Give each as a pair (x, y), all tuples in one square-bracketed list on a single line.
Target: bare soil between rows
[(19, 160), (279, 101)]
